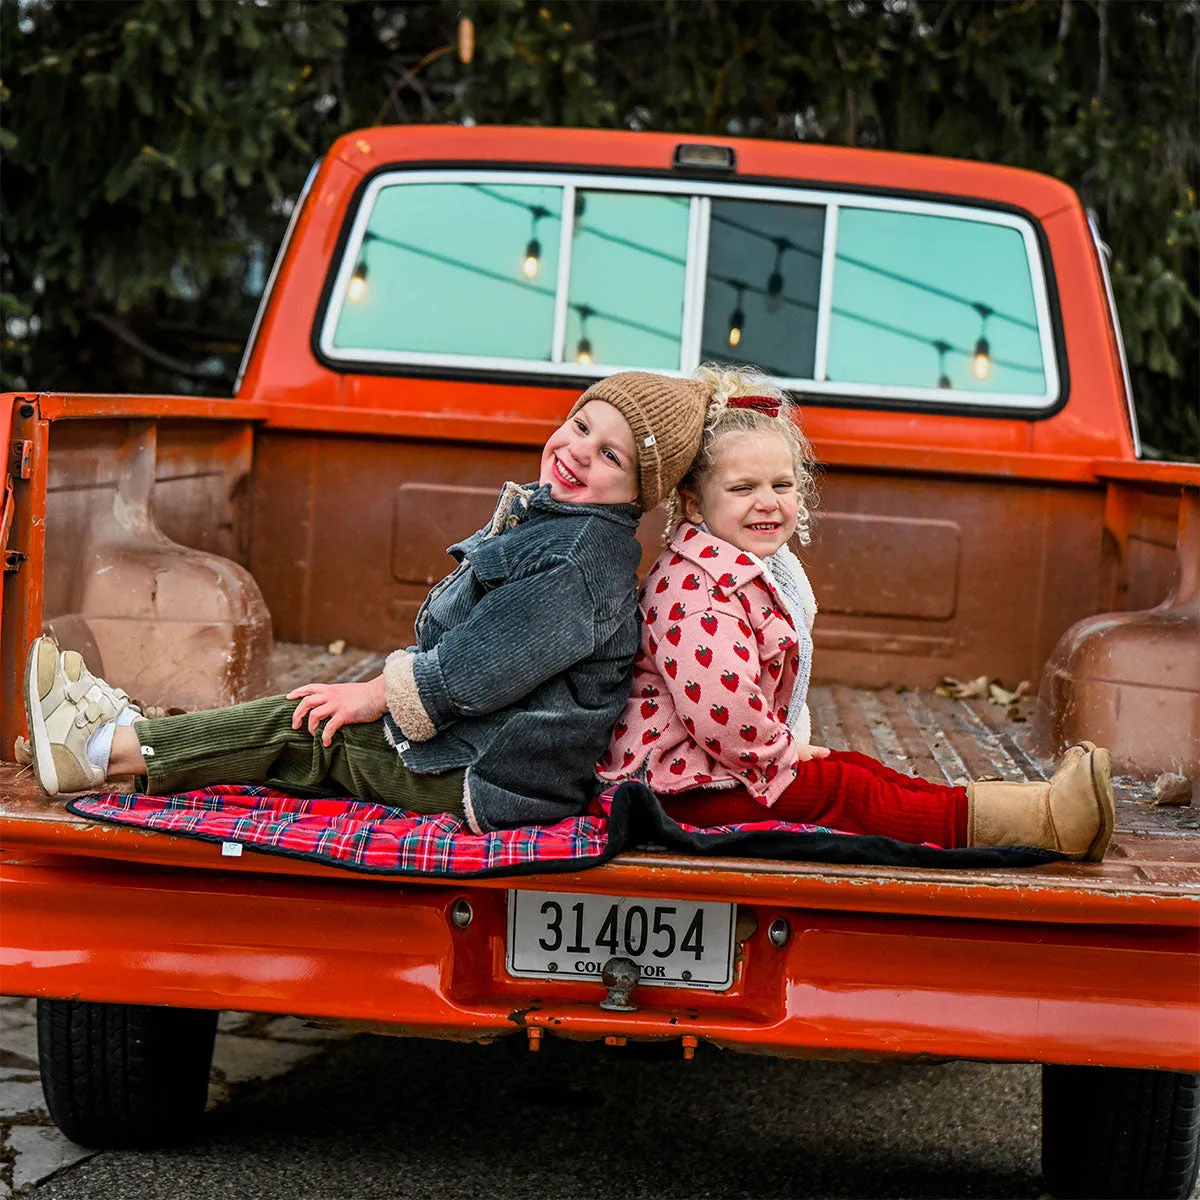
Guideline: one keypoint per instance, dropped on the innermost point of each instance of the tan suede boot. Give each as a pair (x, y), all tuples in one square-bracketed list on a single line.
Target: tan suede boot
[(1072, 813)]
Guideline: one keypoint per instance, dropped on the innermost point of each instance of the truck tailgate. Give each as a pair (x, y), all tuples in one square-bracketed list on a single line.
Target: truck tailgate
[(1070, 963)]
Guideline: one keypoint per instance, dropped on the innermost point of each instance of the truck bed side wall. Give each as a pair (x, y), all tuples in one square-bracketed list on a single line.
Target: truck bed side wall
[(917, 574)]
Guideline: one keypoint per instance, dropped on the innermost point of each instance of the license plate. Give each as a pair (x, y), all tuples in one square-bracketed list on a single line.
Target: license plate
[(676, 943)]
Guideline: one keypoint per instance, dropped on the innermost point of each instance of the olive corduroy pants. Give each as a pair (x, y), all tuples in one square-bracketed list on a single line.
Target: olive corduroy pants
[(255, 743)]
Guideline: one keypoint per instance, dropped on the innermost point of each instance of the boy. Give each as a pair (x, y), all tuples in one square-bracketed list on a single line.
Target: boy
[(523, 658)]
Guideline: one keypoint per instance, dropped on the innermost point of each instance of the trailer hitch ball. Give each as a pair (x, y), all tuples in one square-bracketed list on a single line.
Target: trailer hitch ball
[(620, 976), (779, 932), (461, 914)]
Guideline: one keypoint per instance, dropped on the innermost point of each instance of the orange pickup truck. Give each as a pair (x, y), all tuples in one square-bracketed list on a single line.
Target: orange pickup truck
[(441, 296)]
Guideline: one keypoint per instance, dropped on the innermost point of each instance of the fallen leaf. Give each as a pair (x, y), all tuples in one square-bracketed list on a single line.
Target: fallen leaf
[(975, 690), (1172, 789), (984, 686)]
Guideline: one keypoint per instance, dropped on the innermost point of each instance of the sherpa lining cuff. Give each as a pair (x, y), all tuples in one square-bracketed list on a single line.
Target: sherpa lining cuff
[(468, 806), (404, 698)]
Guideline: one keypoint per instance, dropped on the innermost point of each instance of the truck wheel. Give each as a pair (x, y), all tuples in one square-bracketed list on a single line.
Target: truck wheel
[(124, 1075), (1111, 1132)]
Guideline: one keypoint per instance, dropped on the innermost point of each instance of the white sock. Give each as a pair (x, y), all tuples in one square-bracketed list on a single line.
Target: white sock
[(99, 746)]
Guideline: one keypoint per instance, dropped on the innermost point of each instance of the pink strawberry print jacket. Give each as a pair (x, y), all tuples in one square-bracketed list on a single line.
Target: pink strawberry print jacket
[(713, 678)]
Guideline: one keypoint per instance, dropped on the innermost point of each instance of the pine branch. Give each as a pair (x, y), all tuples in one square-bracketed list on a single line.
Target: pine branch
[(176, 366)]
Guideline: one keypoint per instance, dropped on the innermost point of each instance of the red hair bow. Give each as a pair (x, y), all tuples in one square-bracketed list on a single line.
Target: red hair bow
[(767, 405)]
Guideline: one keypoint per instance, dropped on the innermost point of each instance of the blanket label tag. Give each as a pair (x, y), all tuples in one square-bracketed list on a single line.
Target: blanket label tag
[(231, 849)]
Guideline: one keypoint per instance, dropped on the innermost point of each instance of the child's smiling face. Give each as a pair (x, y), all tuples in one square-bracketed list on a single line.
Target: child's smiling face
[(748, 497), (590, 458)]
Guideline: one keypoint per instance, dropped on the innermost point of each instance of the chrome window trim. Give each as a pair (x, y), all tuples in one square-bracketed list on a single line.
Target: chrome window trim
[(694, 275), (562, 284), (694, 281), (825, 292)]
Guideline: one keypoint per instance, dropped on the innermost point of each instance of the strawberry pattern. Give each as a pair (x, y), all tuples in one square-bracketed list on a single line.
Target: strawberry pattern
[(713, 683)]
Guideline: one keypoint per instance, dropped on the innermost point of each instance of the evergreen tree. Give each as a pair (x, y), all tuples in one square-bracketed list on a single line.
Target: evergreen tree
[(151, 149)]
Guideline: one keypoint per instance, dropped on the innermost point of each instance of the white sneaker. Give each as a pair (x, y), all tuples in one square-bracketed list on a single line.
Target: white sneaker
[(64, 705)]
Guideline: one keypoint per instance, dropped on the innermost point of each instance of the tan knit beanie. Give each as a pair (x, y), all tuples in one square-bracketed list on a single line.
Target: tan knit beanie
[(667, 419)]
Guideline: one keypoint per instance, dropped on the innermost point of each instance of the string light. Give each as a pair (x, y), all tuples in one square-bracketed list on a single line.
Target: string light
[(906, 280), (774, 297), (942, 348), (773, 293), (533, 258), (981, 361), (737, 318), (583, 350), (356, 289), (533, 248), (774, 300)]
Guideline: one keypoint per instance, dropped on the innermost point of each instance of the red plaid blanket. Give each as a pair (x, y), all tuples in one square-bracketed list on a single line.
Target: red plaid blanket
[(374, 838)]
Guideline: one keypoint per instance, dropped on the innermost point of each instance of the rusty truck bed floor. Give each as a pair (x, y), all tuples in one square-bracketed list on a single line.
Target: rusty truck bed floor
[(1155, 850)]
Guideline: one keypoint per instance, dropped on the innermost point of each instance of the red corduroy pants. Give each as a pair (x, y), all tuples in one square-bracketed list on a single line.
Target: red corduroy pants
[(847, 791)]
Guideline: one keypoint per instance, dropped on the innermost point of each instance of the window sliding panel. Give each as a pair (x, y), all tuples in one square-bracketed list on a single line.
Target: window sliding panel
[(762, 285)]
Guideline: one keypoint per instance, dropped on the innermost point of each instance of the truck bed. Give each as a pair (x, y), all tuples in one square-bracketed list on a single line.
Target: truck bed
[(1154, 856)]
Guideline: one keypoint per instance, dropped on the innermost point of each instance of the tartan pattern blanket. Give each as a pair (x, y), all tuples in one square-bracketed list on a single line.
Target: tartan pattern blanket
[(377, 839)]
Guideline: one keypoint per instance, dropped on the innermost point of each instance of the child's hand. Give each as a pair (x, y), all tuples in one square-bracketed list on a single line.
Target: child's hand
[(808, 753), (338, 704)]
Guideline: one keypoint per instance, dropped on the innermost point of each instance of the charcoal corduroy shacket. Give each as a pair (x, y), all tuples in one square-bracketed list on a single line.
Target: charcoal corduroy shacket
[(524, 656)]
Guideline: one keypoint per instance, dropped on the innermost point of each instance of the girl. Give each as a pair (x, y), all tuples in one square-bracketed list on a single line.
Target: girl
[(522, 662), (717, 724)]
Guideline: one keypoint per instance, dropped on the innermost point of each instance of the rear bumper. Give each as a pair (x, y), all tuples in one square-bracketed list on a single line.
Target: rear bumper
[(387, 956)]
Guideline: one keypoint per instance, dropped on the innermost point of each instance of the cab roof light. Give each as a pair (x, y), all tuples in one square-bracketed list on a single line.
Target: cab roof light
[(694, 156)]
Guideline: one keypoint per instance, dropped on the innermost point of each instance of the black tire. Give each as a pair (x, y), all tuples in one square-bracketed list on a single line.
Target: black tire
[(1122, 1134), (124, 1075)]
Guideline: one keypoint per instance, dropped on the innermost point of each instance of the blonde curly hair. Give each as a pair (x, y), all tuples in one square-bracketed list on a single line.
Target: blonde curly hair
[(721, 418)]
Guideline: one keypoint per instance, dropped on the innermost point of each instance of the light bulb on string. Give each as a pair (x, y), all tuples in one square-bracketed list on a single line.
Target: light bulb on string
[(737, 318), (981, 358), (773, 301), (356, 289), (981, 362), (943, 379), (583, 348), (532, 260)]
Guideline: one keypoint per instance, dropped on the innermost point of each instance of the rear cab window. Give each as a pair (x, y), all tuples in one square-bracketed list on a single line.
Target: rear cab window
[(837, 295)]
